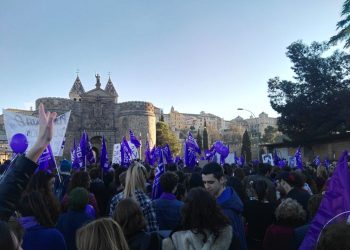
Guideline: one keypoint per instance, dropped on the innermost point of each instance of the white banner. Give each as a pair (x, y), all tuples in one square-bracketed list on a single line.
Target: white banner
[(230, 159), (117, 157), (267, 158), (29, 126)]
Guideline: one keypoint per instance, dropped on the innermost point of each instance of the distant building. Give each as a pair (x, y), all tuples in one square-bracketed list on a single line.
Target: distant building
[(98, 113)]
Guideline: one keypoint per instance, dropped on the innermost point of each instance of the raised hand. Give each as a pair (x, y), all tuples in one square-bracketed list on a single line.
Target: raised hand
[(45, 134)]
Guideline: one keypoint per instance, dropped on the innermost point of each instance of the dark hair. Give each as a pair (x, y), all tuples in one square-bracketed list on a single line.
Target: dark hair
[(40, 182), (79, 179), (264, 168), (260, 188), (33, 204), (195, 180), (213, 168), (95, 173), (171, 167), (335, 237), (239, 173), (313, 204), (182, 177), (16, 228), (200, 212), (78, 198), (129, 216), (6, 237), (168, 181), (228, 169)]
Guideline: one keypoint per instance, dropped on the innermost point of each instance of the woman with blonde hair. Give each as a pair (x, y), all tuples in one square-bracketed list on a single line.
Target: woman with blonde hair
[(135, 185), (101, 234)]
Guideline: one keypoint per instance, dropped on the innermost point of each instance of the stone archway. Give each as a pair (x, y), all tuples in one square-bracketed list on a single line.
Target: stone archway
[(96, 143)]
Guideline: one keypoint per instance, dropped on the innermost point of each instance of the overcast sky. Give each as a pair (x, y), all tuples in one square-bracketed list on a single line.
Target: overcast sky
[(203, 55)]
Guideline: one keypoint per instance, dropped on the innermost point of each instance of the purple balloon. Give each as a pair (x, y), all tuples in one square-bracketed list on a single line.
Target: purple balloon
[(221, 149), (19, 143), (90, 211)]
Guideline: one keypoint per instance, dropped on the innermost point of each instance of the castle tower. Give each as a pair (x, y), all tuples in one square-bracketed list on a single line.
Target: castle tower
[(77, 90), (111, 90)]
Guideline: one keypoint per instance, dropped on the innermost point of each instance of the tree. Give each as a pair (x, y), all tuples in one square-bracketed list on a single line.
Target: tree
[(161, 119), (199, 140), (205, 137), (269, 134), (246, 147), (343, 26), (164, 135), (317, 102)]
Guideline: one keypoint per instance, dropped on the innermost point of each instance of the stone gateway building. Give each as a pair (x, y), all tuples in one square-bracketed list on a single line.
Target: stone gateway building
[(98, 113)]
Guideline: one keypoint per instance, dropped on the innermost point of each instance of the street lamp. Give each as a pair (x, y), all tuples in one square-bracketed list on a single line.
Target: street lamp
[(257, 125)]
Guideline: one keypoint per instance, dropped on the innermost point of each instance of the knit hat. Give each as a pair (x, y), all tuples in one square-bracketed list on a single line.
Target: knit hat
[(66, 166), (78, 198)]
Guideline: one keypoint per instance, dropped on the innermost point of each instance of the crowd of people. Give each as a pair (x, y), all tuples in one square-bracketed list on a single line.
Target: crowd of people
[(212, 207)]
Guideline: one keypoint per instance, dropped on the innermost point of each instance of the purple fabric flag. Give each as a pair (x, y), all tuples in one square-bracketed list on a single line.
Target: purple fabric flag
[(177, 159), (74, 156), (156, 188), (89, 152), (104, 156), (47, 160), (327, 163), (192, 143), (276, 158), (167, 154), (317, 161), (126, 153), (148, 155), (298, 159), (335, 202), (209, 154), (190, 156), (153, 155), (134, 140)]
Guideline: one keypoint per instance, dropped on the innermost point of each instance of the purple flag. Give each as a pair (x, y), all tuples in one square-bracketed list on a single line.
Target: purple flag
[(276, 158), (73, 156), (104, 156), (298, 160), (89, 152), (148, 155), (190, 156), (86, 151), (335, 202), (192, 143), (317, 161), (47, 160), (160, 170), (126, 153), (134, 140), (167, 154), (327, 163)]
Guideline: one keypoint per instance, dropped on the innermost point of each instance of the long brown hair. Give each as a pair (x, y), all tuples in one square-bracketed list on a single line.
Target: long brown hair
[(103, 233), (33, 204), (200, 212), (40, 182), (129, 216)]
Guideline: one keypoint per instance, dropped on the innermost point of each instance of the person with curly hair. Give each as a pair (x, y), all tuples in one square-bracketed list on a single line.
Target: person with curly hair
[(203, 225), (289, 215)]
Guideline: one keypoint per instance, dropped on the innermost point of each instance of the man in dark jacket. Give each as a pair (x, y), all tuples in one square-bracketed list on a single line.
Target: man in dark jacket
[(227, 199), (167, 206)]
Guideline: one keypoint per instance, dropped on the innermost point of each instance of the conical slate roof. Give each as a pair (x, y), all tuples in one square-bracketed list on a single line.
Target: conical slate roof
[(77, 89)]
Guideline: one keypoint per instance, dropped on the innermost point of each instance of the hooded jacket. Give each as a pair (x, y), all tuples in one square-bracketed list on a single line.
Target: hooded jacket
[(232, 207), (187, 240)]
